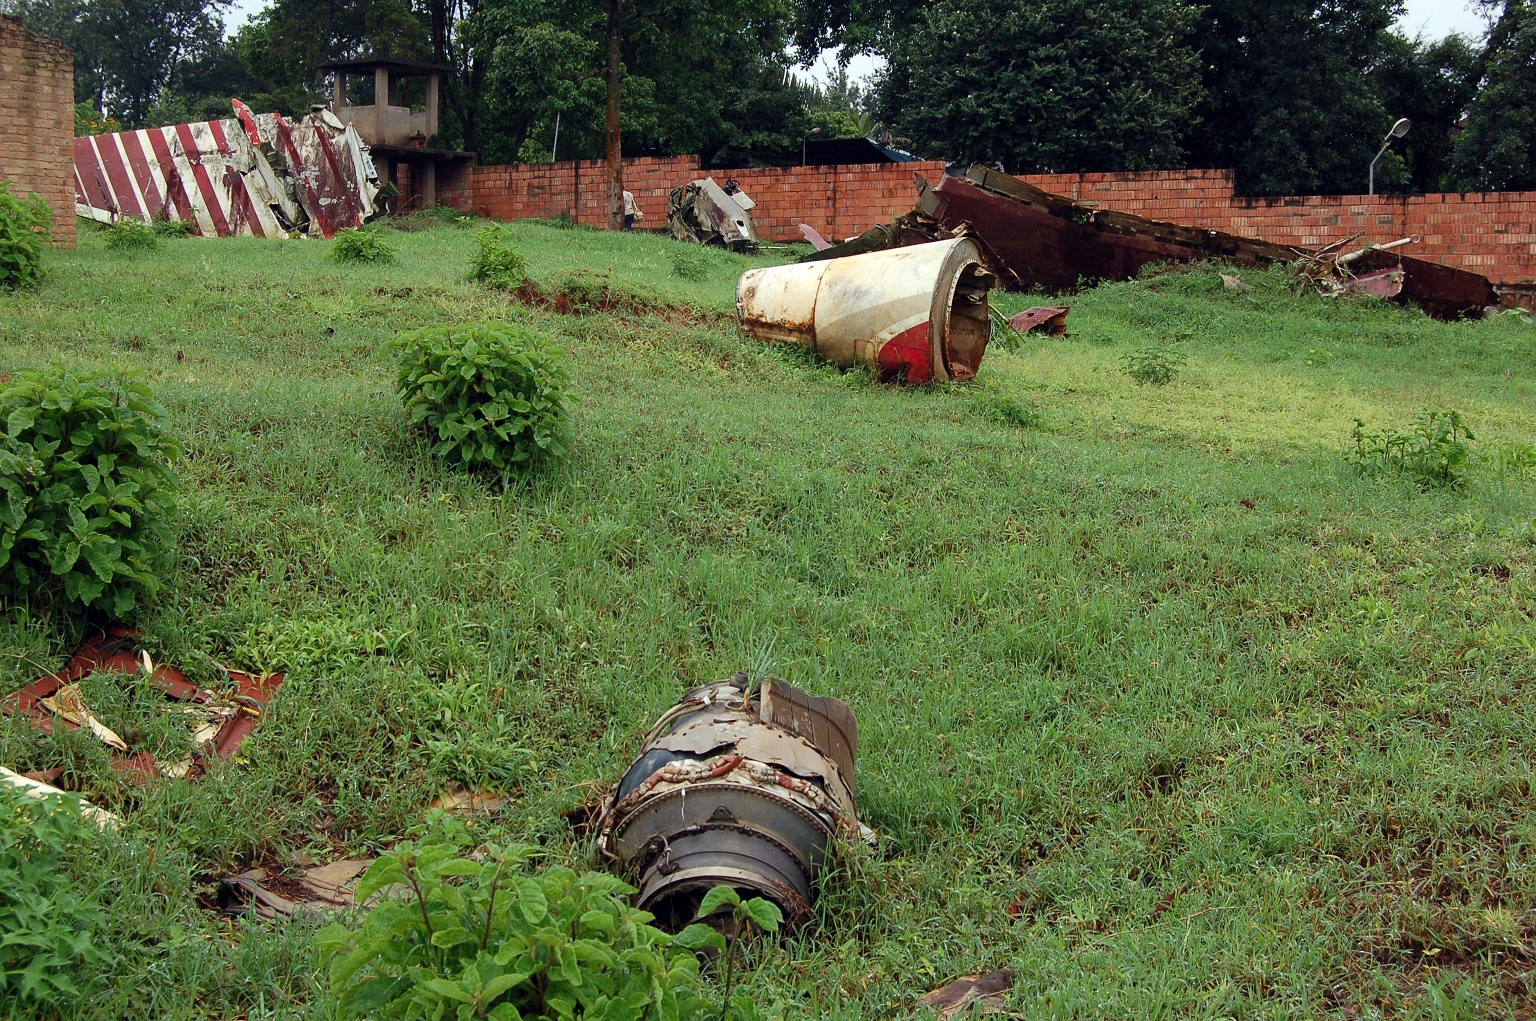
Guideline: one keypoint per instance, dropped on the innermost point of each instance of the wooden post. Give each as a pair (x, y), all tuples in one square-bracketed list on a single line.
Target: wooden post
[(615, 144)]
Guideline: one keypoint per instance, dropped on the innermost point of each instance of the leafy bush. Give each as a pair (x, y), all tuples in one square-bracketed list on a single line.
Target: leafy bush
[(430, 218), (1157, 366), (489, 395), (1432, 451), (85, 486), (131, 236), (690, 264), (353, 245), (23, 236), (172, 228), (485, 938), (496, 264), (46, 926)]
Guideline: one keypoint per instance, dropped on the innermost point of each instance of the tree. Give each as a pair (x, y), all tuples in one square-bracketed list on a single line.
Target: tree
[(1432, 83), (1498, 148), (1289, 102), (1073, 85)]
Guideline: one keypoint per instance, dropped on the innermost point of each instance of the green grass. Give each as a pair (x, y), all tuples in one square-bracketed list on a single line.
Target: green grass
[(1160, 703)]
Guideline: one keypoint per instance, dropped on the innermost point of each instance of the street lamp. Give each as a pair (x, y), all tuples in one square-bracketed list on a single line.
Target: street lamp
[(1398, 131), (814, 131)]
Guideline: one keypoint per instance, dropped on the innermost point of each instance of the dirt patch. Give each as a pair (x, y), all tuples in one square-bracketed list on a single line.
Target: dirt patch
[(588, 296)]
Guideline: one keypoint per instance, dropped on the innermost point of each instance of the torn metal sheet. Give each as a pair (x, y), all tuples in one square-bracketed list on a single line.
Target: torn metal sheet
[(988, 992), (1054, 243), (702, 212), (35, 788), (318, 890), (219, 721), (813, 235), (735, 787), (261, 175), (1051, 318), (914, 314)]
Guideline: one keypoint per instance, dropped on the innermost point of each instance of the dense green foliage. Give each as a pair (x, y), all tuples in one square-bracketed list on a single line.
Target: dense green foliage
[(87, 483), (489, 396), (484, 937), (1166, 708), (364, 246), (496, 263), (1498, 148), (23, 236), (1158, 365), (1432, 451), (48, 929), (1106, 85), (131, 236)]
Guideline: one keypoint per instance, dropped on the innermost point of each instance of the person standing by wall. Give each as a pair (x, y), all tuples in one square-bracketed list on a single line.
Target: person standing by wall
[(631, 210)]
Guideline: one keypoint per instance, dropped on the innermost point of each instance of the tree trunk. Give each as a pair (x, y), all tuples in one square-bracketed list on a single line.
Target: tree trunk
[(615, 144)]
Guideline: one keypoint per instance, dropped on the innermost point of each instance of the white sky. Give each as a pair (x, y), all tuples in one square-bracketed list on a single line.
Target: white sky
[(1432, 18)]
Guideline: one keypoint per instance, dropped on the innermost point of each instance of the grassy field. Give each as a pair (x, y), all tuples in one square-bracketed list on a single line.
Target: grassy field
[(1161, 703)]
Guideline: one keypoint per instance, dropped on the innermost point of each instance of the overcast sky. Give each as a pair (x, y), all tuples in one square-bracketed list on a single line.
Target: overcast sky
[(1433, 18)]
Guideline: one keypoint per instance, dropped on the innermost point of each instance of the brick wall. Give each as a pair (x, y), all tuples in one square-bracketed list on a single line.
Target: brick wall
[(37, 121), (1493, 233)]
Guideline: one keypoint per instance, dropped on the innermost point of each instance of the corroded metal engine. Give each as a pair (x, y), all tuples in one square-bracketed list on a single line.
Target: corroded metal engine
[(736, 787)]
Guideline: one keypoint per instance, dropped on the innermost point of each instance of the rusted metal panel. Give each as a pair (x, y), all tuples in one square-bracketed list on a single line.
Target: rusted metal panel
[(914, 314), (705, 213), (256, 175), (730, 788), (1052, 317), (1054, 243)]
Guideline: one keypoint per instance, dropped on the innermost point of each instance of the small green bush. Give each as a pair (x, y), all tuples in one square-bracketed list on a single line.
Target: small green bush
[(690, 264), (353, 245), (1157, 366), (496, 264), (484, 937), (1432, 451), (86, 485), (131, 236), (47, 927), (489, 395), (173, 228), (23, 236)]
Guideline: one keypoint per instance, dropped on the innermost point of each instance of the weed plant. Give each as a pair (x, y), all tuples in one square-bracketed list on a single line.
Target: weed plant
[(87, 482), (173, 228), (490, 397), (131, 236), (361, 245), (1155, 366), (23, 236), (1431, 452), (496, 264)]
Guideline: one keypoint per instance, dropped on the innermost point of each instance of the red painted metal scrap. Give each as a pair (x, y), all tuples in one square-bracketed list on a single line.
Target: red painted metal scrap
[(259, 175), (1052, 317), (114, 651)]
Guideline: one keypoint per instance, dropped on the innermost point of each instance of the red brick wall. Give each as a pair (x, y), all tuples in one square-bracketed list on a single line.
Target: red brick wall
[(1493, 233), (37, 121)]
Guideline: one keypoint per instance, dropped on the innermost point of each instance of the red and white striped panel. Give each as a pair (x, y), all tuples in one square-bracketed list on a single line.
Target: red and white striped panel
[(193, 172)]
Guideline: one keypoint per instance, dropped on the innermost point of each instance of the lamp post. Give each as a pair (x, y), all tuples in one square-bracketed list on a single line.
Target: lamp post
[(1398, 131), (814, 131)]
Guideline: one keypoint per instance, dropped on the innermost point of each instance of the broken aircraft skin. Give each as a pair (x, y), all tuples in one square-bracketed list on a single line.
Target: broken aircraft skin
[(1054, 243), (736, 787), (259, 175), (704, 213), (914, 314)]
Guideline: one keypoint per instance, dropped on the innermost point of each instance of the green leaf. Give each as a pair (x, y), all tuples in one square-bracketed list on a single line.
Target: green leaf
[(717, 897), (764, 912)]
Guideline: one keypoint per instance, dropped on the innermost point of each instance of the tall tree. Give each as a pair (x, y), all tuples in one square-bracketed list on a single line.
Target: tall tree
[(1070, 85), (1289, 102), (1498, 148)]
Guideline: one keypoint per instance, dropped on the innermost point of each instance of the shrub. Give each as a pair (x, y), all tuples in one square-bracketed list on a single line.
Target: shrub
[(131, 236), (1432, 451), (496, 264), (690, 264), (1157, 366), (172, 228), (489, 395), (46, 926), (23, 236), (85, 487), (353, 245), (484, 938)]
